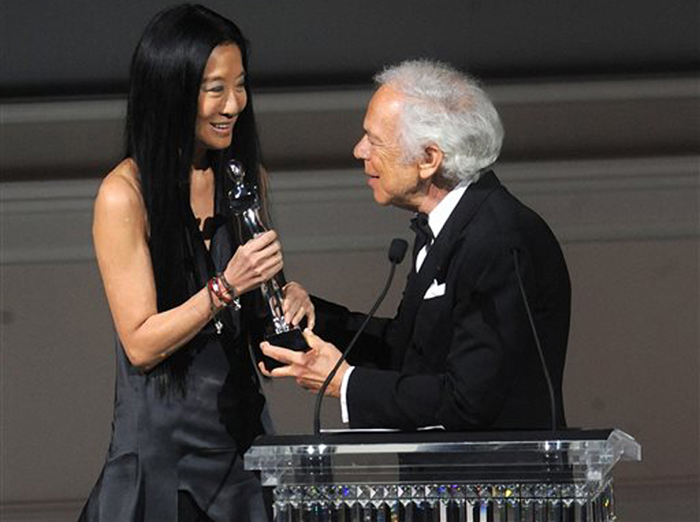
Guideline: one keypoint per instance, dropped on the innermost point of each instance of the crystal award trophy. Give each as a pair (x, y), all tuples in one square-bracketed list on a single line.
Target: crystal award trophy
[(245, 207)]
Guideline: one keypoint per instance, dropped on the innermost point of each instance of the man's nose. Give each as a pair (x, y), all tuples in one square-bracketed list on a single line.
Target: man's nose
[(361, 148)]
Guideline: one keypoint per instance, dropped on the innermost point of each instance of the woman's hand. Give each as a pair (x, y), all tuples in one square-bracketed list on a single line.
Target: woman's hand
[(255, 262), (297, 304)]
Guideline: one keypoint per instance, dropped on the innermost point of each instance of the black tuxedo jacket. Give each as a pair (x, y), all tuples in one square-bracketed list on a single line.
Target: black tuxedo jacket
[(466, 358)]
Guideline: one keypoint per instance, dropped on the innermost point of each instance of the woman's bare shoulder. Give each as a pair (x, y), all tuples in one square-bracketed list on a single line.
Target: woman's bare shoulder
[(121, 189)]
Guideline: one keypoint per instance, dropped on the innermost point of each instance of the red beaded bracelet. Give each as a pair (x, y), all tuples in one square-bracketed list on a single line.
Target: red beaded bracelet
[(217, 288)]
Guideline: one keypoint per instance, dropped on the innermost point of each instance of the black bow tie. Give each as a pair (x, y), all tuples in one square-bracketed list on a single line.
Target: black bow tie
[(424, 235)]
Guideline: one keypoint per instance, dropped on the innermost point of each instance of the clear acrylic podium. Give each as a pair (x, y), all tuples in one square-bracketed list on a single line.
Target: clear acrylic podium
[(563, 476)]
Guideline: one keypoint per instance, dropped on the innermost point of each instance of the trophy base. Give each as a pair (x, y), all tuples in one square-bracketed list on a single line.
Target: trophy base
[(293, 340)]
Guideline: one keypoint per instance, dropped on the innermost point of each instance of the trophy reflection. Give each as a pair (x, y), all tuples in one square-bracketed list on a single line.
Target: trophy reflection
[(245, 206)]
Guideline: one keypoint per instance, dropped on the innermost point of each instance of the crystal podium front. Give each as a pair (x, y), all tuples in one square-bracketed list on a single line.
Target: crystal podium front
[(563, 476)]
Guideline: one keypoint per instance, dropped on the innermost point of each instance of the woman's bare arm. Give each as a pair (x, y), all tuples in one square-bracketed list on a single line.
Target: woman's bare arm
[(120, 234)]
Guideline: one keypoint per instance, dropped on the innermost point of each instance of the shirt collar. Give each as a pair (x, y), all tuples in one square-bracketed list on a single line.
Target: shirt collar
[(442, 211)]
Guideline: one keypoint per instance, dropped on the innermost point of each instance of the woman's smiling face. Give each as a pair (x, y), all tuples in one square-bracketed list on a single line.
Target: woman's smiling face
[(222, 97)]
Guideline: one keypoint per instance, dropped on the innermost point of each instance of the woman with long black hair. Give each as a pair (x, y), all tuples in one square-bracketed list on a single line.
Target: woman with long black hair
[(178, 281)]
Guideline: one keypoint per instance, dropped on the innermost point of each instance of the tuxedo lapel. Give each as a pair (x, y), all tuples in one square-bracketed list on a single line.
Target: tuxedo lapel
[(437, 261)]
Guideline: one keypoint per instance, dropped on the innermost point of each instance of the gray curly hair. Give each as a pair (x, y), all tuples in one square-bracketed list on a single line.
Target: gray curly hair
[(449, 109)]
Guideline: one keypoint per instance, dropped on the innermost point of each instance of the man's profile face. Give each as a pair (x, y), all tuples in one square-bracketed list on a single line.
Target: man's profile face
[(392, 181)]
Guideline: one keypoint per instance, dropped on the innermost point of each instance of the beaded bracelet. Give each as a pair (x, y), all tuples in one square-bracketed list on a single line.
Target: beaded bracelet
[(219, 291), (224, 282), (212, 308), (231, 290)]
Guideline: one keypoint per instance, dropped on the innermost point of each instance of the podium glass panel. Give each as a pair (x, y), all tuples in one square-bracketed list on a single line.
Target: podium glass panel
[(437, 476)]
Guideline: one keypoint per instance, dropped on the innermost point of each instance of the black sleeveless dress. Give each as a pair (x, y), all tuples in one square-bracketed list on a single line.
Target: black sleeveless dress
[(189, 439)]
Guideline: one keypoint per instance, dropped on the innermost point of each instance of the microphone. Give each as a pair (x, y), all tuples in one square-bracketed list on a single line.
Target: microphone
[(550, 387), (397, 251)]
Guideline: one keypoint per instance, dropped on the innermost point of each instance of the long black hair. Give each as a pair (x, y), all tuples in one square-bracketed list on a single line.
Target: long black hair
[(166, 73)]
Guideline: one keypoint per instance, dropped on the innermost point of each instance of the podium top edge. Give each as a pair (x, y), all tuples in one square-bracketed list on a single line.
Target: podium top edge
[(365, 437)]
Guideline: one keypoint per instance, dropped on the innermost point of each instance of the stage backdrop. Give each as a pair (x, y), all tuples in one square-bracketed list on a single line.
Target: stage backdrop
[(600, 102)]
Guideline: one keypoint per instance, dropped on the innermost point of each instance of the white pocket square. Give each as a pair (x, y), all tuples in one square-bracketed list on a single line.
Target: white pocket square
[(435, 290)]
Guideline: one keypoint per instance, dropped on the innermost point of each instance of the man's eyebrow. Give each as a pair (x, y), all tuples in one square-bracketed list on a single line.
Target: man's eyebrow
[(372, 136)]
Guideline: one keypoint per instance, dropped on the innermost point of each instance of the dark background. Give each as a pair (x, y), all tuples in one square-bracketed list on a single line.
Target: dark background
[(82, 47)]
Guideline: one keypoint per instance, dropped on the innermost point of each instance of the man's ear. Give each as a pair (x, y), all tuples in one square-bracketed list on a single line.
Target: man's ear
[(431, 161)]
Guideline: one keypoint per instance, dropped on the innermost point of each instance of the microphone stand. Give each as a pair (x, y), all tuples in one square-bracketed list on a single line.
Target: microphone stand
[(538, 345), (397, 250)]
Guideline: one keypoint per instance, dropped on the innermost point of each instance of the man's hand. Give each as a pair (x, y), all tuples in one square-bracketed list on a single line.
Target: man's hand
[(309, 369)]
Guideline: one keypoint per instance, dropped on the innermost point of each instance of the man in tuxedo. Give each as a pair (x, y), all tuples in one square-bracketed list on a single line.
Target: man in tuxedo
[(479, 339)]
